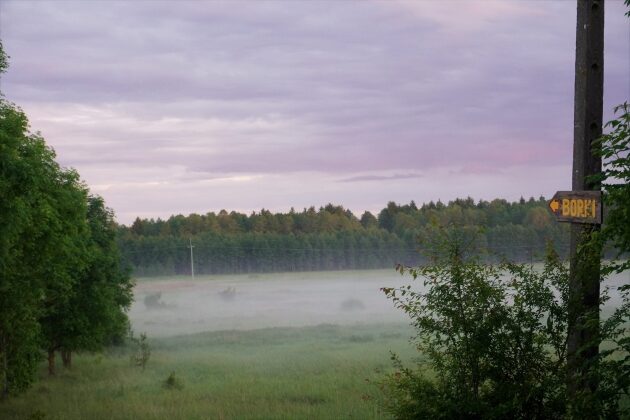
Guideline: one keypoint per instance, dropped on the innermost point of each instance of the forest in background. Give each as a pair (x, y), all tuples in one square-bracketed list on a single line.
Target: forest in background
[(333, 238)]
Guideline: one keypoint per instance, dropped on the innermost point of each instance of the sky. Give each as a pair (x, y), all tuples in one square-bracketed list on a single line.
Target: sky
[(186, 107)]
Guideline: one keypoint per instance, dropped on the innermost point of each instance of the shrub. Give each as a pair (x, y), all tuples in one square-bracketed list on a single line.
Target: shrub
[(494, 338), (142, 351), (493, 335), (172, 382)]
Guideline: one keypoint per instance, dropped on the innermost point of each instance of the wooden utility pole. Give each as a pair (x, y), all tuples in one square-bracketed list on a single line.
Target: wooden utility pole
[(584, 280)]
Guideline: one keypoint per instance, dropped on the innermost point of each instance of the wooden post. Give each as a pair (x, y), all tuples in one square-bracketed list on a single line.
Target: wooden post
[(66, 358), (584, 281), (51, 362)]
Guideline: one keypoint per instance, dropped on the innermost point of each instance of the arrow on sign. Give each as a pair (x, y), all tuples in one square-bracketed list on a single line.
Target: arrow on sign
[(554, 205)]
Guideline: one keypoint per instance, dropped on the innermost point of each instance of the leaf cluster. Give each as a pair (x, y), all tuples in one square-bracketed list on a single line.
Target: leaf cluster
[(614, 148)]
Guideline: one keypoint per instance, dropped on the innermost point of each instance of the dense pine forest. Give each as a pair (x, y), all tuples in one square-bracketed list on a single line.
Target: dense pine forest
[(333, 238)]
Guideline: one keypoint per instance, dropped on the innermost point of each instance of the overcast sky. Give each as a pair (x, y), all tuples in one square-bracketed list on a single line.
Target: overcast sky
[(179, 107)]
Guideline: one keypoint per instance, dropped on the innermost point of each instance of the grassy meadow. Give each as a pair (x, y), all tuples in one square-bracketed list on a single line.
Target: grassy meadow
[(325, 371), (258, 346), (268, 346)]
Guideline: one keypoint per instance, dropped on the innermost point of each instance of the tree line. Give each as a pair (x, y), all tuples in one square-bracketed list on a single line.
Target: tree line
[(62, 286), (333, 238)]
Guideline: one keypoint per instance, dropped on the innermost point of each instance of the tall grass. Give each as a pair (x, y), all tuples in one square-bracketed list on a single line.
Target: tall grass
[(312, 372)]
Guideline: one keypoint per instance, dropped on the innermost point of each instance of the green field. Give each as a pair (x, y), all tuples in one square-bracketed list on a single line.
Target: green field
[(324, 371), (285, 346)]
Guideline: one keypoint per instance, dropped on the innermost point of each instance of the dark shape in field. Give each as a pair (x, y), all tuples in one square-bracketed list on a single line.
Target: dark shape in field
[(360, 338), (153, 301), (172, 382), (352, 305), (228, 294)]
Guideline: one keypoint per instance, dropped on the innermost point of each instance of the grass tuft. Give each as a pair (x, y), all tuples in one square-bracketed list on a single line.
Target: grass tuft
[(172, 382)]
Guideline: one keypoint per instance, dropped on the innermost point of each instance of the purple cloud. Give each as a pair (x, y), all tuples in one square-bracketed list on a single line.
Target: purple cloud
[(194, 94)]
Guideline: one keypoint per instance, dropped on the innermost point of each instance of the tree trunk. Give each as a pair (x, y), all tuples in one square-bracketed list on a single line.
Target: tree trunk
[(66, 357), (5, 369), (51, 362)]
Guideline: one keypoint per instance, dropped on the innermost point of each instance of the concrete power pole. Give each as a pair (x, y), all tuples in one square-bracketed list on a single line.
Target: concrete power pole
[(584, 280), (192, 265)]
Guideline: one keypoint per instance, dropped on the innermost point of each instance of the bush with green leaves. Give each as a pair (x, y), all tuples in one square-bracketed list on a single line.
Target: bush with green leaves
[(494, 341), (172, 382), (614, 148), (493, 337)]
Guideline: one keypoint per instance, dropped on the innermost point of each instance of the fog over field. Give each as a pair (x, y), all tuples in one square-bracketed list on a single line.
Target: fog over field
[(182, 306), (176, 306)]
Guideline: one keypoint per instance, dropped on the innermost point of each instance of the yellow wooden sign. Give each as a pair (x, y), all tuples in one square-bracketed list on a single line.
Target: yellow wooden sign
[(577, 206)]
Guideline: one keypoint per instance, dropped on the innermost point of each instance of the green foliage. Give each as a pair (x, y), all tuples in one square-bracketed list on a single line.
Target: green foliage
[(368, 221), (495, 337), (30, 181), (142, 351), (86, 308), (96, 312), (4, 59), (332, 238), (67, 258), (615, 179), (614, 360), (172, 382), (61, 283), (33, 194)]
